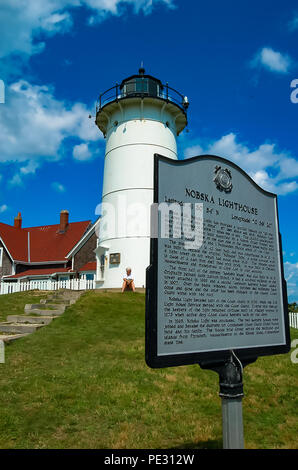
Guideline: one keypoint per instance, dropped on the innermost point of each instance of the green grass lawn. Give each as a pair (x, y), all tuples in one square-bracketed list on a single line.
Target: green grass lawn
[(82, 382), (13, 304)]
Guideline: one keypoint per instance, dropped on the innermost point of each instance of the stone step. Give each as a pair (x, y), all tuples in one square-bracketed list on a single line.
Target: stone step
[(68, 294), (45, 313), (27, 319), (56, 300), (67, 299), (63, 300), (7, 327), (10, 338), (49, 306), (35, 308)]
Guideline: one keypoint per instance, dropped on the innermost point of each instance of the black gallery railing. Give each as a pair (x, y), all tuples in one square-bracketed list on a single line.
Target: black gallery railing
[(142, 88)]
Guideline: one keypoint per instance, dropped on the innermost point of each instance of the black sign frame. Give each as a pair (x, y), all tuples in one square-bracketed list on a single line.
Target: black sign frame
[(245, 355)]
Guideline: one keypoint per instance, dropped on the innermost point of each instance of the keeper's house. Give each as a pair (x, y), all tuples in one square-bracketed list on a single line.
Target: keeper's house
[(59, 252)]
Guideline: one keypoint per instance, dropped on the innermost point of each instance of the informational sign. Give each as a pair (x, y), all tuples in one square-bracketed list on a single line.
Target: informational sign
[(115, 258), (215, 282)]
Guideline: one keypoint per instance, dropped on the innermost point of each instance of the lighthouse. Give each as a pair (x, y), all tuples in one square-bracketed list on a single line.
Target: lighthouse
[(138, 118)]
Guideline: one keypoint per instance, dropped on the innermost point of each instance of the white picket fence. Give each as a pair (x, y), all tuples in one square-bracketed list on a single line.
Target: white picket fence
[(76, 284), (293, 319), (46, 284)]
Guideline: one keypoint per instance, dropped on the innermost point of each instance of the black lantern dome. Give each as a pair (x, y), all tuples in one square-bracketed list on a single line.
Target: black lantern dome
[(140, 86)]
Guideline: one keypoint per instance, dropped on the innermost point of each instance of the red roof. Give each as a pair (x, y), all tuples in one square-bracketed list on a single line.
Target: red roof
[(15, 241), (91, 266), (46, 243), (39, 272)]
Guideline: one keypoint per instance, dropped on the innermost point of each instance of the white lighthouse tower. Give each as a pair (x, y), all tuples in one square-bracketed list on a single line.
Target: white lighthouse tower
[(139, 117)]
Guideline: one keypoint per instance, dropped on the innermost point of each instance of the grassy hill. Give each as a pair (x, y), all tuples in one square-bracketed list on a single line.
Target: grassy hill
[(13, 304), (82, 382)]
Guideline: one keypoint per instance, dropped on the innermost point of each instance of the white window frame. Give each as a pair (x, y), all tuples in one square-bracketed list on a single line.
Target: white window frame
[(1, 257)]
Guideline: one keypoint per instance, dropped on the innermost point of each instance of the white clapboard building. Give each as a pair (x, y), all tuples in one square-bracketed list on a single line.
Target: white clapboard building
[(138, 118)]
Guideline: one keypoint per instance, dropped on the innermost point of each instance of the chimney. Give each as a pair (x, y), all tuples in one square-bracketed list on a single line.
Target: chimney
[(63, 221), (18, 221)]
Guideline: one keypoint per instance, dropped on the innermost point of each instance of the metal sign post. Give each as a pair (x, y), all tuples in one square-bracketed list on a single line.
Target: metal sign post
[(215, 288), (232, 423), (2, 352), (231, 393)]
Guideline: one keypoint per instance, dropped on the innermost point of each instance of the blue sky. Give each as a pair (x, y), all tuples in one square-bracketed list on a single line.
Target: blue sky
[(234, 60)]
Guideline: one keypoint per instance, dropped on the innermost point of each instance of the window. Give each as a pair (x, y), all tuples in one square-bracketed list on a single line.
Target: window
[(130, 87), (141, 85), (1, 257), (153, 88), (89, 277), (136, 85)]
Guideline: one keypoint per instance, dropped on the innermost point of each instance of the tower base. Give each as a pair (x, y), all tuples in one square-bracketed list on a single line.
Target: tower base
[(114, 256)]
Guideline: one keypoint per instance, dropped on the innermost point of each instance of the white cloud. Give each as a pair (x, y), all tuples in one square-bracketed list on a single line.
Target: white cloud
[(116, 7), (81, 152), (23, 22), (58, 187), (193, 151), (34, 126), (57, 23), (274, 171), (291, 276), (272, 60), (293, 24), (3, 208), (16, 180), (29, 168)]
